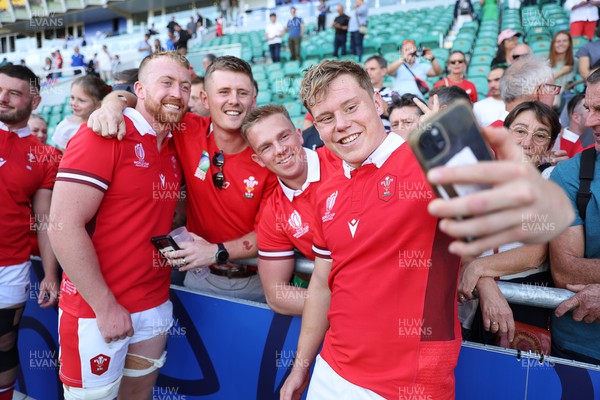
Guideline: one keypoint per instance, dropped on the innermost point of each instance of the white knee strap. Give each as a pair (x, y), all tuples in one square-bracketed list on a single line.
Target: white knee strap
[(156, 364), (105, 392)]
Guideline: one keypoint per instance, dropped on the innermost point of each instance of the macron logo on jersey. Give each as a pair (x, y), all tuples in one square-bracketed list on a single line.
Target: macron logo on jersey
[(140, 153), (329, 206), (2, 161), (353, 225)]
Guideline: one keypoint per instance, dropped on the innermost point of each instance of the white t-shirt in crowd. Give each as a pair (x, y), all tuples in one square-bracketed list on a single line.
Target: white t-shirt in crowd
[(273, 31), (489, 110), (65, 130)]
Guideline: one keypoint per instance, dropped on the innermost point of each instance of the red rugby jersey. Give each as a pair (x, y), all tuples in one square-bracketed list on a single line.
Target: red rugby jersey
[(141, 187), (570, 143), (25, 167), (288, 215), (393, 316), (220, 215), (467, 85)]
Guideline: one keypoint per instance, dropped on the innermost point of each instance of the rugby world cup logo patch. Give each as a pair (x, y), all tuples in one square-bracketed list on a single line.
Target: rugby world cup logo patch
[(328, 216), (295, 222)]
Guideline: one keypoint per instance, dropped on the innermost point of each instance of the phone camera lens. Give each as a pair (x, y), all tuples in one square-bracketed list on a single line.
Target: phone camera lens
[(432, 142)]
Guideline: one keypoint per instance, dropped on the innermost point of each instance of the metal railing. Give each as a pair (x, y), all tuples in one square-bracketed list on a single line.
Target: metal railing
[(515, 293)]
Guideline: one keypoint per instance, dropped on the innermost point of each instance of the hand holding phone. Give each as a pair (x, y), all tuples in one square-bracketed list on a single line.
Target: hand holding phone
[(496, 214), (164, 243), (451, 138)]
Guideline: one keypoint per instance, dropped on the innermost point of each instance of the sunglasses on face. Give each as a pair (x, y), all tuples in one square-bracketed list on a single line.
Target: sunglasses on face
[(454, 62), (218, 178)]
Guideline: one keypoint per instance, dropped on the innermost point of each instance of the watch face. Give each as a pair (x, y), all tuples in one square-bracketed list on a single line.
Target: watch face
[(222, 256)]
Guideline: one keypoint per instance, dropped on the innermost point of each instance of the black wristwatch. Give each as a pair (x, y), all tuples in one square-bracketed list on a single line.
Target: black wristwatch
[(222, 255)]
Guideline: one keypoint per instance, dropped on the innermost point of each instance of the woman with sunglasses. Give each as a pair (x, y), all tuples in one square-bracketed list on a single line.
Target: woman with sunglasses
[(456, 67)]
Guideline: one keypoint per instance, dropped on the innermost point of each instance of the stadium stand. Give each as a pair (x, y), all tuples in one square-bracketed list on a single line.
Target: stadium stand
[(429, 23)]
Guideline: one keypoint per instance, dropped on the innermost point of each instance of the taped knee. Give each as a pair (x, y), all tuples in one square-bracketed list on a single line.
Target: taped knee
[(137, 365), (106, 392)]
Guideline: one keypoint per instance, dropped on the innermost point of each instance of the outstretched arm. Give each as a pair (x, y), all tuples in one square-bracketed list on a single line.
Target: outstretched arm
[(496, 215)]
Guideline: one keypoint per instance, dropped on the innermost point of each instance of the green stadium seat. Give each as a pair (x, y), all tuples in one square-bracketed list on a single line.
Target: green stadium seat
[(541, 48), (560, 27), (294, 108), (485, 50), (273, 67), (54, 120), (292, 68), (463, 46), (277, 74), (263, 98), (431, 41), (389, 47), (298, 122), (391, 57), (481, 59), (487, 41), (478, 71), (259, 76), (263, 84), (480, 83)]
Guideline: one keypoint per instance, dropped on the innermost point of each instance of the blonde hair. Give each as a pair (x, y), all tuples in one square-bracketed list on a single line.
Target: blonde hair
[(258, 114), (171, 55), (317, 79)]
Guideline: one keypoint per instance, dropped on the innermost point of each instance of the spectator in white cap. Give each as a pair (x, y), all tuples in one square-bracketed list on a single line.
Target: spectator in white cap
[(507, 41)]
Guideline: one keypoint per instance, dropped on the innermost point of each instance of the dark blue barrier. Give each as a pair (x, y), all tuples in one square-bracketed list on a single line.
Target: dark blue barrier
[(230, 350)]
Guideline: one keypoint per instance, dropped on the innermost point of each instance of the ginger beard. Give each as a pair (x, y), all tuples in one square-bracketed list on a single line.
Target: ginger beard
[(166, 111)]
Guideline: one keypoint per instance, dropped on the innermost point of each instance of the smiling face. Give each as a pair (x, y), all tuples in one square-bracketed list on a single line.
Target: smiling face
[(457, 64), (277, 145), (532, 135), (81, 103), (347, 118), (561, 43), (228, 96), (164, 91), (16, 101)]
